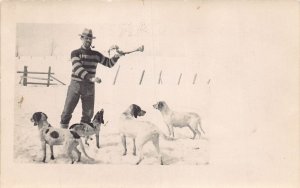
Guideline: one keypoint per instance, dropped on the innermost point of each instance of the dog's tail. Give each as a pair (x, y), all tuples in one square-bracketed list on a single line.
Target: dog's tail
[(199, 125), (83, 150)]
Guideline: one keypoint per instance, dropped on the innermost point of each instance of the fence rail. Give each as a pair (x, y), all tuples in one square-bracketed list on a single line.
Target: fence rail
[(24, 78), (50, 78)]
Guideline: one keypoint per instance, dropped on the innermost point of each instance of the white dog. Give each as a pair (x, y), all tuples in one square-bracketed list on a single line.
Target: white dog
[(179, 119), (140, 131)]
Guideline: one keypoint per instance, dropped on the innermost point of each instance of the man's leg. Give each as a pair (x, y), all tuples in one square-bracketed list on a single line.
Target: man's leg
[(88, 100), (70, 104)]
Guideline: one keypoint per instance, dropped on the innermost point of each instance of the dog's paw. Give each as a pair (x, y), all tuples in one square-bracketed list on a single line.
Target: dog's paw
[(98, 147), (52, 157)]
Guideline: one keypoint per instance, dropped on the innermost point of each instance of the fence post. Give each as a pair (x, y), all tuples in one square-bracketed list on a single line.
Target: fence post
[(25, 76), (208, 82), (49, 77), (116, 75), (141, 80), (195, 78), (179, 79), (160, 80)]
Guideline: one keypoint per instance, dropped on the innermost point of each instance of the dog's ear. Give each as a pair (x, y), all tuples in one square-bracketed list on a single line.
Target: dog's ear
[(45, 115), (101, 114), (96, 117), (36, 117), (135, 110), (160, 104)]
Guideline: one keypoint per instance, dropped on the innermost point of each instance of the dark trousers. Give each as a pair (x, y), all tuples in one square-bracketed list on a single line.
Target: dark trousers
[(86, 92)]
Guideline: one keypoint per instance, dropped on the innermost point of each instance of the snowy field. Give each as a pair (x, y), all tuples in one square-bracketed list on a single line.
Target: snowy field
[(114, 99)]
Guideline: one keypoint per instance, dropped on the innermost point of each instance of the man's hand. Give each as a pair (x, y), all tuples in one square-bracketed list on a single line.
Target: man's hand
[(96, 79), (117, 56), (113, 47)]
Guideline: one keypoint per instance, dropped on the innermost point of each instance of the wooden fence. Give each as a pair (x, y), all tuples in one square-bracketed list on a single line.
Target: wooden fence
[(160, 80), (25, 77)]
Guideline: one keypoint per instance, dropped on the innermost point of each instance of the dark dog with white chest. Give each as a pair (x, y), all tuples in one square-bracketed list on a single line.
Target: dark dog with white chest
[(56, 136), (87, 130)]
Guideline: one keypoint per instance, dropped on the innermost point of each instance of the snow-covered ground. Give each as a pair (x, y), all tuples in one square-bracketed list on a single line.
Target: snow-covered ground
[(114, 99)]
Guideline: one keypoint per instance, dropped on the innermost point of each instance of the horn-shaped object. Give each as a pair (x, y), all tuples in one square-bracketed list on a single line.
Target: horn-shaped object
[(120, 52)]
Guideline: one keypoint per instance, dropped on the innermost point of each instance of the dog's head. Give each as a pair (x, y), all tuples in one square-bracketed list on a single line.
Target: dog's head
[(136, 111), (159, 105), (99, 117), (37, 117)]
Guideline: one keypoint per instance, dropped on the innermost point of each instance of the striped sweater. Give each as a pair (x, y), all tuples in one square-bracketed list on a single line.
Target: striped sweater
[(85, 61)]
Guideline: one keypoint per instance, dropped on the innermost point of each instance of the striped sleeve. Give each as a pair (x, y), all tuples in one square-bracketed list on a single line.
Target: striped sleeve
[(108, 62), (77, 67)]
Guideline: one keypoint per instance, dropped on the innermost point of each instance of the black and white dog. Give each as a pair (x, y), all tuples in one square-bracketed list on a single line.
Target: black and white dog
[(86, 130), (57, 136)]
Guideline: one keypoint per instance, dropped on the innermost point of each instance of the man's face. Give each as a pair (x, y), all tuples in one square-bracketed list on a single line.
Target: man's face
[(86, 41)]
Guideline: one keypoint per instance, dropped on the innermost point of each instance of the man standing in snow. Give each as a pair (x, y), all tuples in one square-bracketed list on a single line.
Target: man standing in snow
[(84, 64)]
